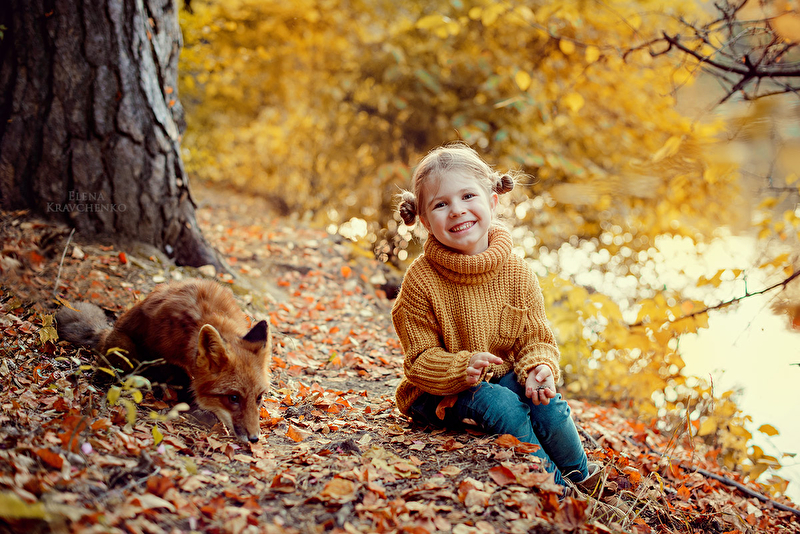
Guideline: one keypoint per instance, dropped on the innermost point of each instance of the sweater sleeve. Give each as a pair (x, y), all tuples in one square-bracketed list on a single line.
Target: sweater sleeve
[(537, 344), (427, 365)]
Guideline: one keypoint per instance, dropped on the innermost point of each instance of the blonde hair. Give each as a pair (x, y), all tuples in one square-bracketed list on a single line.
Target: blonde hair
[(446, 159)]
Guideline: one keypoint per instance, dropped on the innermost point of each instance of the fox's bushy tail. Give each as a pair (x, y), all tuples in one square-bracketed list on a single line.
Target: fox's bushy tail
[(83, 324)]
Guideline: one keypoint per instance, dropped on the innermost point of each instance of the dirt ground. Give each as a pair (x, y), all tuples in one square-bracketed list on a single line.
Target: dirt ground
[(335, 455)]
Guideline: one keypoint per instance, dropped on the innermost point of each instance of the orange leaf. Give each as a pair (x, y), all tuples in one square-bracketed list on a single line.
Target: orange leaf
[(51, 458), (464, 488), (295, 434), (346, 271), (450, 470), (528, 448), (334, 408), (213, 506), (451, 445), (502, 475), (283, 482), (339, 490), (447, 402), (123, 258), (158, 485), (101, 424), (507, 441)]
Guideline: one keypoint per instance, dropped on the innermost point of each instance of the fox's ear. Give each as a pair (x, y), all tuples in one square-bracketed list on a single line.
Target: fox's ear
[(259, 334), (210, 348)]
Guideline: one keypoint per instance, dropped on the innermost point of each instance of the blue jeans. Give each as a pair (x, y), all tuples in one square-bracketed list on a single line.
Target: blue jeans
[(501, 407)]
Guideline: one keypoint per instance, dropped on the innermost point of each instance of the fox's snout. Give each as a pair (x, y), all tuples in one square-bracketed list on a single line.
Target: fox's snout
[(231, 378), (245, 434), (245, 424)]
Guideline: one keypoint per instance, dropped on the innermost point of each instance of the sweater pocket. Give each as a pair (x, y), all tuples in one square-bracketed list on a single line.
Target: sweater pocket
[(512, 322)]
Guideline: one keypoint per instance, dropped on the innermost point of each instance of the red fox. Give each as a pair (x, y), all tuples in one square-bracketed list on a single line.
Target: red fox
[(197, 326)]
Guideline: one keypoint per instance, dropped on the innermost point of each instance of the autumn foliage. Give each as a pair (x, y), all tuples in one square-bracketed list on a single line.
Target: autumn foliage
[(340, 99)]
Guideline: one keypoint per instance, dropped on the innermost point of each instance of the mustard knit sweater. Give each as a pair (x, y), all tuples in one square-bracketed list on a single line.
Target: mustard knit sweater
[(453, 305)]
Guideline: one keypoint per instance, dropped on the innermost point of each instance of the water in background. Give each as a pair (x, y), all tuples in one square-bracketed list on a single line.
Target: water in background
[(751, 348)]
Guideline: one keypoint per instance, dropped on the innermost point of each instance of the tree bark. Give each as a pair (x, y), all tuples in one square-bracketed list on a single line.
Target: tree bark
[(90, 121)]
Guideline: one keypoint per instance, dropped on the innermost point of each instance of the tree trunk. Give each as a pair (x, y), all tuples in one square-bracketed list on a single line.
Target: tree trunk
[(90, 122)]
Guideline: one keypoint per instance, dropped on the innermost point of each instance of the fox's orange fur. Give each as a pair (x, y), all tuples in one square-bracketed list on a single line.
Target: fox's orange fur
[(197, 326)]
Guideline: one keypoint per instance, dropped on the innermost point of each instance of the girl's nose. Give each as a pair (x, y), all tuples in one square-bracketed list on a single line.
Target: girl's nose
[(456, 209)]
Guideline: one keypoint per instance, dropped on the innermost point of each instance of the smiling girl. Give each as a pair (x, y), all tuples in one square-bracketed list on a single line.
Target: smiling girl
[(470, 316)]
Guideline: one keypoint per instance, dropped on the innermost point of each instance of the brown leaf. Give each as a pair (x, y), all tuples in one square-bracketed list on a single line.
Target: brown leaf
[(502, 475), (284, 482), (296, 434), (467, 485), (158, 485), (339, 490), (451, 445), (573, 513), (507, 441), (476, 501), (51, 458), (450, 470), (447, 402)]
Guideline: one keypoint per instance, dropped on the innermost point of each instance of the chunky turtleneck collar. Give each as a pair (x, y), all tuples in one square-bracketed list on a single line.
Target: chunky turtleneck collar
[(476, 269)]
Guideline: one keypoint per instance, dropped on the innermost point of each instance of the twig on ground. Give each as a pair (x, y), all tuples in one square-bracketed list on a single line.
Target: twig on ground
[(725, 480), (61, 263)]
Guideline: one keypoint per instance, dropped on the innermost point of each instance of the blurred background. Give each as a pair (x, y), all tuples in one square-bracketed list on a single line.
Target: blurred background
[(661, 143)]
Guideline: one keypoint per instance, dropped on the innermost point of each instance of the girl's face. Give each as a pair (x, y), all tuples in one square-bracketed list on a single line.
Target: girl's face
[(458, 212)]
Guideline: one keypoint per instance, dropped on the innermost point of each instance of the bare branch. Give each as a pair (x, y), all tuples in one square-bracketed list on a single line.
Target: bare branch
[(752, 52), (726, 303)]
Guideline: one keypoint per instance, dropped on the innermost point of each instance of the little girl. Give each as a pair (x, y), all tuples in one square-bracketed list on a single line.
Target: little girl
[(470, 316)]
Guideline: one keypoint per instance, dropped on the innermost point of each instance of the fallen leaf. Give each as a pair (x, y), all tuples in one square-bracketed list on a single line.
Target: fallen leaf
[(148, 501), (447, 402), (51, 458), (339, 490), (13, 507), (502, 475), (450, 470)]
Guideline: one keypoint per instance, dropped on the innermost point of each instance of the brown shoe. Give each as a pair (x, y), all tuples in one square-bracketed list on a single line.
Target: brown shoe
[(592, 485)]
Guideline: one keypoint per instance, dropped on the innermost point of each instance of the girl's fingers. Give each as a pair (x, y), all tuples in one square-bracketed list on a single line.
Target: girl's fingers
[(543, 374)]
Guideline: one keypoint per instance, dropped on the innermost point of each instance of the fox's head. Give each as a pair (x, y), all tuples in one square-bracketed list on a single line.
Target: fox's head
[(231, 377)]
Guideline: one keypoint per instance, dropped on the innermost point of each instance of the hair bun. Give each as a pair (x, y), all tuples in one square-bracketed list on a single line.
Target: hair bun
[(408, 207), (503, 184)]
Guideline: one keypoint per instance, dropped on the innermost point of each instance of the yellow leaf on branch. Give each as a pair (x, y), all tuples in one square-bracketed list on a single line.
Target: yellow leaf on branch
[(708, 426), (567, 47), (523, 80), (574, 102), (768, 430), (592, 54), (670, 148)]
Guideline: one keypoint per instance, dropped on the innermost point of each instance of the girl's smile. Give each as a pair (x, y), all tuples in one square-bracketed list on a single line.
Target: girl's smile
[(462, 227), (459, 212)]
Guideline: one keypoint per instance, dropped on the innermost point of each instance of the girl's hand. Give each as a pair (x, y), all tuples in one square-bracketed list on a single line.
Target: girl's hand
[(477, 363), (540, 386)]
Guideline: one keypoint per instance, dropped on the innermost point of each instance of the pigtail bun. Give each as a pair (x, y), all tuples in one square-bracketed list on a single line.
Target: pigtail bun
[(408, 207), (503, 183)]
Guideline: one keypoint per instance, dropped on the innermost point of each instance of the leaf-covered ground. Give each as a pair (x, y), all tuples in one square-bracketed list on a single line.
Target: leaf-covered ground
[(335, 455)]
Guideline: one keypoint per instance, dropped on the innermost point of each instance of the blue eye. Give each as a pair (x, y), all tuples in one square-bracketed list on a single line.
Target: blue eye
[(469, 196)]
